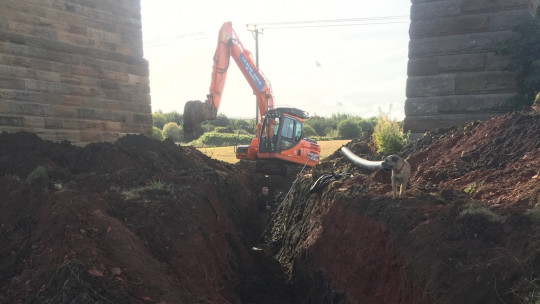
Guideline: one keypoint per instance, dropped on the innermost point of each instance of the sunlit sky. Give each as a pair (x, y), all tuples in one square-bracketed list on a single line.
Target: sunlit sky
[(324, 70)]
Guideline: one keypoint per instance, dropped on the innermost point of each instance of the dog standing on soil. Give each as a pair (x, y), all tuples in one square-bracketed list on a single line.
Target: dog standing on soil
[(401, 172)]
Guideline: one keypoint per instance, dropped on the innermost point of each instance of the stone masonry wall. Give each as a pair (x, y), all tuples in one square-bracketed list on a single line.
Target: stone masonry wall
[(73, 69), (454, 75)]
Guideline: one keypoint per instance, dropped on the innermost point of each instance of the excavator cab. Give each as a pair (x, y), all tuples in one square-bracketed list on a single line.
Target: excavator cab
[(280, 131), (280, 146)]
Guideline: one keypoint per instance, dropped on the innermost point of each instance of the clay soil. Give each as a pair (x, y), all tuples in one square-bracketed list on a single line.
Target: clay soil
[(142, 221)]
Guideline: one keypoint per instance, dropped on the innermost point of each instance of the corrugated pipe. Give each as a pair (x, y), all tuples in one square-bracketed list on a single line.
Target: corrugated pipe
[(360, 162)]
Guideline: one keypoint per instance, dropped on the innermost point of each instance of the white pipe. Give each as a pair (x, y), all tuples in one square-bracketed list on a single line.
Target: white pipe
[(360, 162)]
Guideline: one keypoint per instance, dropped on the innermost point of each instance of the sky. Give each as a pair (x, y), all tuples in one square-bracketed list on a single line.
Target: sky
[(324, 68)]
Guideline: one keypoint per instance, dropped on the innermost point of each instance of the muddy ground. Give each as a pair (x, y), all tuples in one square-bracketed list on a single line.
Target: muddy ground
[(142, 221)]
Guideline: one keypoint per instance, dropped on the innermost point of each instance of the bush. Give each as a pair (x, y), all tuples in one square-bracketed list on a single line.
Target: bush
[(247, 125), (173, 131), (349, 129), (223, 130), (387, 135), (222, 139), (157, 133)]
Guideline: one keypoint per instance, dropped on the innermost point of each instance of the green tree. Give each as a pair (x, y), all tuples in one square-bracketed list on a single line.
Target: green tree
[(334, 120), (221, 121), (349, 129), (247, 125), (174, 117), (157, 133), (368, 123), (309, 131), (173, 131), (523, 50), (319, 124), (158, 119)]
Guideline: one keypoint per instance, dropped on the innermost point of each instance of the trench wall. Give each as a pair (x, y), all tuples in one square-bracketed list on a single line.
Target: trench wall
[(454, 75), (73, 69)]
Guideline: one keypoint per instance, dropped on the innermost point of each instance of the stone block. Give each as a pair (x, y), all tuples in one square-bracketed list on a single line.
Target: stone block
[(445, 26), (53, 123), (454, 45), (447, 64), (471, 6), (142, 118), (496, 62), (429, 1), (458, 104), (422, 124), (24, 108), (466, 24), (486, 82), (4, 105), (435, 9), (113, 126), (91, 136), (34, 122), (423, 86), (72, 136), (44, 86), (11, 121), (12, 83), (63, 111)]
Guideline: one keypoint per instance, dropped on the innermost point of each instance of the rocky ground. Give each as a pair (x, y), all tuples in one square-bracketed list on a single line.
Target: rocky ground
[(142, 221)]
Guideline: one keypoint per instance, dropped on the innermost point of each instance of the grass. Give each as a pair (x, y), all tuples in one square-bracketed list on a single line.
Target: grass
[(227, 154)]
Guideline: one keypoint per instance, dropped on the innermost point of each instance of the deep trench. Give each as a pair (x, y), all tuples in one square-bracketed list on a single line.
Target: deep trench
[(265, 281)]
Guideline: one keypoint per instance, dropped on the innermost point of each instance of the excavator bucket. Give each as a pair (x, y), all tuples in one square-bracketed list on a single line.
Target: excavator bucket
[(193, 116), (195, 112)]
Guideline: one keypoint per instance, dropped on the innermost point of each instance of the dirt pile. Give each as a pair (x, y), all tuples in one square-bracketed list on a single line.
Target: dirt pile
[(467, 231), (142, 221), (138, 221)]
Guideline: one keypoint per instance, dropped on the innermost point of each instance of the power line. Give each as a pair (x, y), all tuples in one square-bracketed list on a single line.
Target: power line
[(166, 41), (336, 20), (368, 21), (333, 22), (329, 25)]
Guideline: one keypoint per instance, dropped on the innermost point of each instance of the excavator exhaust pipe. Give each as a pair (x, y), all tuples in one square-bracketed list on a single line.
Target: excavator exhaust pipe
[(360, 162)]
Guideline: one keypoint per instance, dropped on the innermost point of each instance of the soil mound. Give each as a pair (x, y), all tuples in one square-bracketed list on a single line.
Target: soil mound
[(466, 232), (137, 221), (143, 221)]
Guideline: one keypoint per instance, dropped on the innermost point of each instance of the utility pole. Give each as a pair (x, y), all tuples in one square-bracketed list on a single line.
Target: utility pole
[(256, 31)]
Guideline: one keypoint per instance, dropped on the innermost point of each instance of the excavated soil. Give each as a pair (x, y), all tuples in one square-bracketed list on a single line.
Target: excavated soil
[(143, 221)]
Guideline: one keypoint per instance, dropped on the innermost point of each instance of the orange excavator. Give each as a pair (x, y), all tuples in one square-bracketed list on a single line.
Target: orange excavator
[(280, 144)]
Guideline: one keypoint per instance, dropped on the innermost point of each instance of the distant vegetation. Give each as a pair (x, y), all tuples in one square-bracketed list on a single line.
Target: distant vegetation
[(226, 131)]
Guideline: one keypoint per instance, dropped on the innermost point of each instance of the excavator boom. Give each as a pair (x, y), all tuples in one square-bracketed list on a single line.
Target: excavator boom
[(228, 46)]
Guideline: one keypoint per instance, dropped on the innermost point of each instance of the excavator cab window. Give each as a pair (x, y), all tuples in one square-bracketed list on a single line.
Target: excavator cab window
[(291, 133)]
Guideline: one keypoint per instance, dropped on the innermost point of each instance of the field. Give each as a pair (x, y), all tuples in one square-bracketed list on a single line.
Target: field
[(227, 153)]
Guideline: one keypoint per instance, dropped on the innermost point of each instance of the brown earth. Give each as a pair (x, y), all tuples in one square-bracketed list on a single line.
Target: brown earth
[(142, 221)]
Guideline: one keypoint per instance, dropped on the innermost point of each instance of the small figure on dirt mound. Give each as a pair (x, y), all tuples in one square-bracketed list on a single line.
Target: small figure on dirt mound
[(262, 208)]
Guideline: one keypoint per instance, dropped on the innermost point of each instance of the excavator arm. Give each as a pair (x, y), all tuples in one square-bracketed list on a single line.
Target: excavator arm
[(228, 46)]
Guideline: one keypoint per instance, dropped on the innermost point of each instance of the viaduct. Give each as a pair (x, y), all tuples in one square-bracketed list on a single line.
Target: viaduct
[(74, 69)]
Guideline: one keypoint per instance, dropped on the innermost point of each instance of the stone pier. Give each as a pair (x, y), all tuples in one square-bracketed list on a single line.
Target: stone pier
[(73, 69), (454, 75)]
